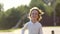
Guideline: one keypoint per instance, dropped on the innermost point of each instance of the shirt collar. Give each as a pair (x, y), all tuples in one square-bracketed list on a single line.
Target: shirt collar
[(33, 23)]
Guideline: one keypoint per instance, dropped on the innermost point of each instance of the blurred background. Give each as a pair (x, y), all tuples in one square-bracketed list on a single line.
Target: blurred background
[(13, 13)]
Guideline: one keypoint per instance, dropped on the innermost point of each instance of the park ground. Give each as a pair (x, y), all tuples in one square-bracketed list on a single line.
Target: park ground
[(46, 30)]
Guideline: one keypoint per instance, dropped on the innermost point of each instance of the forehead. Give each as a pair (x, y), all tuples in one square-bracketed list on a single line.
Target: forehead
[(34, 11)]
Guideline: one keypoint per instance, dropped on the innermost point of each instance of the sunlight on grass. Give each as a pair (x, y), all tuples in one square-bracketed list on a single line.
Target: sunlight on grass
[(51, 26), (9, 30)]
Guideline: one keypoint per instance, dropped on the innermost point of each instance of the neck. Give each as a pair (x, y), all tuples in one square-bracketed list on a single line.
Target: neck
[(34, 21)]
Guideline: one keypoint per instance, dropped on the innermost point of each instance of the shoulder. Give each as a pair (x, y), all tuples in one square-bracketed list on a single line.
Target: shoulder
[(39, 24), (27, 23)]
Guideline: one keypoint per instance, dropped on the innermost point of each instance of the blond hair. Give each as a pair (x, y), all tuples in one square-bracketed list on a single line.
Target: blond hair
[(39, 13)]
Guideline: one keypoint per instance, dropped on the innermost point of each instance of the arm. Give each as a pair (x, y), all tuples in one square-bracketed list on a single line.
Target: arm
[(23, 29), (40, 30)]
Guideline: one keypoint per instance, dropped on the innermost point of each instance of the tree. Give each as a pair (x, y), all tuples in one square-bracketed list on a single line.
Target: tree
[(12, 17), (23, 15), (37, 3), (41, 4), (1, 7)]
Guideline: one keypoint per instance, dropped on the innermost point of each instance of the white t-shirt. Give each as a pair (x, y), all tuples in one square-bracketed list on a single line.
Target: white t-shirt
[(33, 28)]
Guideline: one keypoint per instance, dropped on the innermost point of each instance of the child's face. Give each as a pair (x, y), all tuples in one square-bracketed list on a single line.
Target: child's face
[(34, 15)]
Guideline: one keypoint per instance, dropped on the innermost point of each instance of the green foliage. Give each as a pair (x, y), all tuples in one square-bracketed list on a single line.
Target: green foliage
[(23, 13), (1, 7), (12, 18), (23, 9), (40, 4), (49, 10), (2, 20), (37, 3), (58, 10)]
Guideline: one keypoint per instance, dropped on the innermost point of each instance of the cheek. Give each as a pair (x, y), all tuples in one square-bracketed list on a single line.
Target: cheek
[(34, 16)]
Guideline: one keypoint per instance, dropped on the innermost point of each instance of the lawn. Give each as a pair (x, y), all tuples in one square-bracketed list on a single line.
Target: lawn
[(10, 30)]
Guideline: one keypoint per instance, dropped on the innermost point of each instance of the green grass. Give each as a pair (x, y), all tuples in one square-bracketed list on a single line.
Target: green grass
[(9, 30), (6, 30), (51, 26)]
